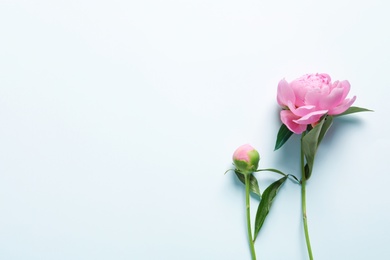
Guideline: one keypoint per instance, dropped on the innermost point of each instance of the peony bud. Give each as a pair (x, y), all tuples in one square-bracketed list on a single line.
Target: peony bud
[(246, 159)]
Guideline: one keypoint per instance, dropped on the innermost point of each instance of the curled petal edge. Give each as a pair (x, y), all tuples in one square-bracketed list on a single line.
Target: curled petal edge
[(285, 93), (311, 118), (342, 107), (288, 118)]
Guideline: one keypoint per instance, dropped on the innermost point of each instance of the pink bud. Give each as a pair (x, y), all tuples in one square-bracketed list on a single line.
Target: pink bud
[(246, 159)]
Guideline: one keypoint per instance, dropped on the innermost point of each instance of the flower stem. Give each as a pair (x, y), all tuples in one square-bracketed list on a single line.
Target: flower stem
[(248, 217), (303, 195)]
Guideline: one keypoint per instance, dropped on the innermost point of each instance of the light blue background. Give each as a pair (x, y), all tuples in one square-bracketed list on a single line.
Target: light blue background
[(119, 118)]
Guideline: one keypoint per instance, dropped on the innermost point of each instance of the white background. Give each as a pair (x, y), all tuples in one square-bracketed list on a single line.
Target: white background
[(119, 118)]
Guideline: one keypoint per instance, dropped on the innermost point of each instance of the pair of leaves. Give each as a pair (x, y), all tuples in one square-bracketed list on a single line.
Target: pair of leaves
[(284, 133), (310, 141), (313, 138), (266, 199)]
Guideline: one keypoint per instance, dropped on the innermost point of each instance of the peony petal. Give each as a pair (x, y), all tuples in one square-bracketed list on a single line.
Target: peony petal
[(301, 111), (311, 118), (324, 75), (288, 118), (335, 84), (333, 99), (346, 87), (299, 89), (313, 97), (342, 107), (285, 93), (325, 89)]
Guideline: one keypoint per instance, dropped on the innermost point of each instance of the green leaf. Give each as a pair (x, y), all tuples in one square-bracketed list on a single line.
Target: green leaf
[(311, 141), (307, 172), (253, 185), (328, 120), (266, 203), (313, 138), (283, 135), (310, 145), (352, 110)]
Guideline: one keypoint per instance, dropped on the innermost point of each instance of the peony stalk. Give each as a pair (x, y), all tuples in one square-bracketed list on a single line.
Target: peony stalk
[(246, 159)]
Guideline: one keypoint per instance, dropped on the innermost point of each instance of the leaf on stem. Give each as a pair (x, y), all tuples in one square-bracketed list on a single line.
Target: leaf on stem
[(328, 121), (265, 204), (253, 185), (311, 141), (283, 135), (352, 110)]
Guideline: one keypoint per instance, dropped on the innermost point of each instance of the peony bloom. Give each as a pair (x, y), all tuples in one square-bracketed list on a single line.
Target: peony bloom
[(306, 99), (246, 159)]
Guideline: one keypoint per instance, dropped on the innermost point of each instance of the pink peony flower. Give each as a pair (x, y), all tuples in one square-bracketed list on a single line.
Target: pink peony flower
[(306, 99), (246, 159)]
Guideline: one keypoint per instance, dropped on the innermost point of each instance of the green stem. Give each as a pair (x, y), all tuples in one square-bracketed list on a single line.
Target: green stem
[(303, 195), (248, 217)]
